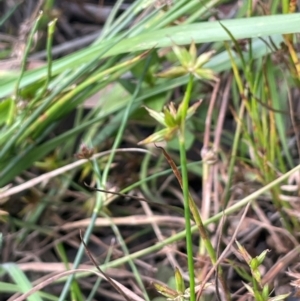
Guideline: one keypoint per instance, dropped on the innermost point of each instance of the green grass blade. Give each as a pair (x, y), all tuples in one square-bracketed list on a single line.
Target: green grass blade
[(21, 280), (204, 32), (4, 18)]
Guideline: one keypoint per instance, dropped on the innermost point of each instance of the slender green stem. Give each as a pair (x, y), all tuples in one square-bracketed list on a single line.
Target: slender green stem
[(4, 18), (185, 185), (185, 103), (187, 216), (285, 6), (27, 50), (249, 8), (236, 141), (51, 30), (189, 204), (111, 17)]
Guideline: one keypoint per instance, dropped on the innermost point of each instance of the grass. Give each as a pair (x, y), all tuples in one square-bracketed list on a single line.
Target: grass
[(243, 193)]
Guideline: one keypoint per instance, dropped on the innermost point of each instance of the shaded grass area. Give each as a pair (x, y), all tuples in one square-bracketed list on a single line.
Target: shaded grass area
[(220, 83)]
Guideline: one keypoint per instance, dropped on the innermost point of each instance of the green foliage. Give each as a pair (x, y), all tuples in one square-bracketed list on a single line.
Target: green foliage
[(129, 66), (258, 290)]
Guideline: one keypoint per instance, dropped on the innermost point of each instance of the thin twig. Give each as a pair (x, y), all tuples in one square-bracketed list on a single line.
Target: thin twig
[(133, 220)]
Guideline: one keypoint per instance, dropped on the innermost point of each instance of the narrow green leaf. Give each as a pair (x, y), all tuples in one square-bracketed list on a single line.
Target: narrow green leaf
[(265, 292), (165, 290), (7, 108), (261, 257), (21, 280), (204, 32), (180, 287), (8, 288)]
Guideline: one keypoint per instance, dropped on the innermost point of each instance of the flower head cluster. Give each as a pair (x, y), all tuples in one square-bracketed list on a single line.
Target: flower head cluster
[(190, 64), (170, 118)]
